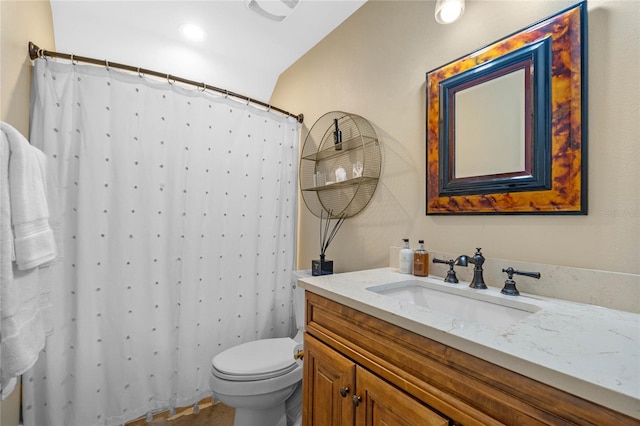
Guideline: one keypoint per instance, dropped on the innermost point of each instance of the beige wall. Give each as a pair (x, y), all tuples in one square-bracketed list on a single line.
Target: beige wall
[(374, 65), (20, 22)]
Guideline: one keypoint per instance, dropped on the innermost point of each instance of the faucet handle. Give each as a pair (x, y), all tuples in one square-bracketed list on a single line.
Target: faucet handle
[(510, 285), (510, 272), (451, 274)]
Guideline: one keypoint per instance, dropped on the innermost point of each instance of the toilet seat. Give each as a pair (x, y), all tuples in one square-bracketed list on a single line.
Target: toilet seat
[(256, 360)]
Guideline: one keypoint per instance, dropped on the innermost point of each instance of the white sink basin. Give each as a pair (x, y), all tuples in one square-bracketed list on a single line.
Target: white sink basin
[(462, 303)]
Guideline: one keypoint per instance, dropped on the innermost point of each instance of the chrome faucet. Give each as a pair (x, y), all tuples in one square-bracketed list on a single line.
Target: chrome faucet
[(478, 260)]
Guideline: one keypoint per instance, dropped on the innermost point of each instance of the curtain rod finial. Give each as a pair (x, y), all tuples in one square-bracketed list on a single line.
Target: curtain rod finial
[(300, 118), (34, 51)]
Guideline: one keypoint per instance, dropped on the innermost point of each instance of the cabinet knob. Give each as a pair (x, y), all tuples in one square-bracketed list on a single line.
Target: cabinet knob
[(344, 392), (356, 400)]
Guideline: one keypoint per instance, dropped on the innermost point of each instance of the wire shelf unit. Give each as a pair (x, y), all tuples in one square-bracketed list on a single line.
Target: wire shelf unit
[(357, 157)]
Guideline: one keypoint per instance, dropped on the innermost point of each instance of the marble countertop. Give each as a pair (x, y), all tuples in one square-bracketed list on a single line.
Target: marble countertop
[(586, 350)]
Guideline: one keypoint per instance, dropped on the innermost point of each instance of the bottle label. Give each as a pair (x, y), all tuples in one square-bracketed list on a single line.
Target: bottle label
[(406, 260), (421, 264)]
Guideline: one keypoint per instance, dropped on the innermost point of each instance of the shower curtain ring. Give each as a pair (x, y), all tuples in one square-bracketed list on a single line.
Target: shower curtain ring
[(73, 61), (204, 87), (226, 94), (248, 101), (139, 73), (169, 79), (106, 64)]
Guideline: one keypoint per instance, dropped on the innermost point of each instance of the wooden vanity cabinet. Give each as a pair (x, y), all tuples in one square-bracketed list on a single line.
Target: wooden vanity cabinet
[(401, 378)]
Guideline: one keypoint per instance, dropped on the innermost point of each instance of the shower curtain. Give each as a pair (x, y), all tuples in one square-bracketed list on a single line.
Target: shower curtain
[(178, 215)]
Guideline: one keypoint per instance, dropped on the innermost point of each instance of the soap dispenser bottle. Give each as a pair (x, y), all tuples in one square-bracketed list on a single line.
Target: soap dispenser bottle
[(337, 135), (406, 258), (421, 261)]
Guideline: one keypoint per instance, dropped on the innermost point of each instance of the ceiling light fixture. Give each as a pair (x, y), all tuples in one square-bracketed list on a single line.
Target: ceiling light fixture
[(274, 10), (449, 11), (192, 32)]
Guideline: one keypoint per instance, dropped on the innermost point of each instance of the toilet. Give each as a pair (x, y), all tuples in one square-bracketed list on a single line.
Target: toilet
[(261, 379)]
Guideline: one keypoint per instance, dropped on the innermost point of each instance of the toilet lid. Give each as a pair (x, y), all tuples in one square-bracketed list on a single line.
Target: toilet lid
[(257, 360)]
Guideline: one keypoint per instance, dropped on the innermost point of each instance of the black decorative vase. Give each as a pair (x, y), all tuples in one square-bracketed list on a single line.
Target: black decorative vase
[(321, 267)]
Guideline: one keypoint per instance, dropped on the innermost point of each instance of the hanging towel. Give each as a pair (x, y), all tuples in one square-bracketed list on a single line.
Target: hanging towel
[(26, 243), (34, 242)]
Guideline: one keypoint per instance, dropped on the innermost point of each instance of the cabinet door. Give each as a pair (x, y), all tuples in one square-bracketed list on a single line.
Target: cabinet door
[(382, 404), (328, 384)]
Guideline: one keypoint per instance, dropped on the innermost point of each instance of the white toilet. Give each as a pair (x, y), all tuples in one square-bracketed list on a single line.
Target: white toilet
[(261, 379)]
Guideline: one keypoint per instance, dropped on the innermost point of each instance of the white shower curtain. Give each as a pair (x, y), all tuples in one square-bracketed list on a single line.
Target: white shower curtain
[(178, 212)]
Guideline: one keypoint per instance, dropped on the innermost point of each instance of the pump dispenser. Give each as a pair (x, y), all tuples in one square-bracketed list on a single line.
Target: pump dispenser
[(406, 258)]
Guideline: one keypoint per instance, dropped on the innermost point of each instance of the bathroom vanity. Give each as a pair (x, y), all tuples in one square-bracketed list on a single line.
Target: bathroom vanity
[(376, 352)]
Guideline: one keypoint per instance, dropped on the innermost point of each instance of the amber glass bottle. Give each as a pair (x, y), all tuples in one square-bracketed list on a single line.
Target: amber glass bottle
[(421, 261)]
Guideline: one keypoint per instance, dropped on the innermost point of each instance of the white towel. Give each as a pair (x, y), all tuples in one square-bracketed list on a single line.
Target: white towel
[(34, 242), (25, 236)]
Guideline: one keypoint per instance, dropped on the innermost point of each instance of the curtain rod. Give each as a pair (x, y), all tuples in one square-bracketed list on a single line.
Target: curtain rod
[(36, 52)]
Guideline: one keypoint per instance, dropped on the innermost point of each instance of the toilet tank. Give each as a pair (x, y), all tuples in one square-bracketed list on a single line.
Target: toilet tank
[(298, 296)]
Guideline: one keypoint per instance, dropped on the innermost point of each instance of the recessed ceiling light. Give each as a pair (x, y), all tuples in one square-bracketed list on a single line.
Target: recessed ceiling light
[(192, 32)]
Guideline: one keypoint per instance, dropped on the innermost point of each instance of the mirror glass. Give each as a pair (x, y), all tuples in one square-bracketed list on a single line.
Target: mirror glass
[(496, 126), (489, 127)]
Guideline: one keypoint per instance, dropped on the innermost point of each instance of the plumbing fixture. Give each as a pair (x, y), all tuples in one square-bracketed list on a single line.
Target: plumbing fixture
[(478, 260), (451, 274), (510, 285)]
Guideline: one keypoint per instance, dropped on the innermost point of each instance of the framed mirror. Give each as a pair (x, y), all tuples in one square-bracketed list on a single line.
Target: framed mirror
[(506, 125)]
